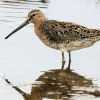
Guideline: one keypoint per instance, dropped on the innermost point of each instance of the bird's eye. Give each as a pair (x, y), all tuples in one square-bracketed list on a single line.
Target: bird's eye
[(33, 14)]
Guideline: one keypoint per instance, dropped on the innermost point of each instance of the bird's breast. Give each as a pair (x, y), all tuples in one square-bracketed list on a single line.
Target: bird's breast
[(46, 40)]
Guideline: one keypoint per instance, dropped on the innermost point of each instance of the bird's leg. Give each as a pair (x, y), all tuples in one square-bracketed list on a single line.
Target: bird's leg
[(63, 60), (69, 63)]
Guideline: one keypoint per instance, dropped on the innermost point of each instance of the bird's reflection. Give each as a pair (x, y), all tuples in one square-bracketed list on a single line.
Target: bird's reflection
[(59, 85)]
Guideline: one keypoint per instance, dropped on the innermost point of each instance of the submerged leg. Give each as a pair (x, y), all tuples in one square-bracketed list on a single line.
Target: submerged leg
[(63, 60), (69, 63)]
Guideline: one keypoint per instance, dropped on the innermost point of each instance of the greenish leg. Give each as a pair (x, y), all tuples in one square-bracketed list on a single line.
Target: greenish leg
[(69, 63), (63, 60)]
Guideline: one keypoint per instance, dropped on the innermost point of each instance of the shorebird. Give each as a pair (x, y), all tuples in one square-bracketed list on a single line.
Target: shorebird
[(63, 36)]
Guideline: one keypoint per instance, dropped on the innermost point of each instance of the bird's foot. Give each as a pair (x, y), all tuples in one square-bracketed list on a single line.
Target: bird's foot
[(62, 68), (63, 64), (68, 69)]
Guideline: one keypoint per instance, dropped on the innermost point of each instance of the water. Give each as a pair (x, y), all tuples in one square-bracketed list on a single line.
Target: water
[(23, 57)]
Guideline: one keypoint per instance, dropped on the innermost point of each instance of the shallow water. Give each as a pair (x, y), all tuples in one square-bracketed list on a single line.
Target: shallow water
[(23, 57)]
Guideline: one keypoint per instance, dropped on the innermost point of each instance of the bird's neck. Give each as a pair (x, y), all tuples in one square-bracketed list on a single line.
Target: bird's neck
[(37, 26), (39, 21)]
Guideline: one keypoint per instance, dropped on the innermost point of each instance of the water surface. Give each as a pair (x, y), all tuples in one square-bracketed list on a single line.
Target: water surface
[(23, 57)]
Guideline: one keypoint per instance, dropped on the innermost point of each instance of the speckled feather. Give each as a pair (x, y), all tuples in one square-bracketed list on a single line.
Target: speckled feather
[(67, 36), (64, 31)]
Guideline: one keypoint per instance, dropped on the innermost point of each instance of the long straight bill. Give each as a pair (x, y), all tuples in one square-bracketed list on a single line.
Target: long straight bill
[(18, 28)]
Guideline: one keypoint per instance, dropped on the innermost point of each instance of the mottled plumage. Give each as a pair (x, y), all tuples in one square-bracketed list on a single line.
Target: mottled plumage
[(68, 34), (64, 36)]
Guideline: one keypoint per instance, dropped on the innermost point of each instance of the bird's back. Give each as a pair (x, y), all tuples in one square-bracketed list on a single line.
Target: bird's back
[(67, 31)]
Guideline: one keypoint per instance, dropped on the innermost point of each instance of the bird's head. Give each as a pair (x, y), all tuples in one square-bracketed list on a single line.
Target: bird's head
[(34, 16)]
